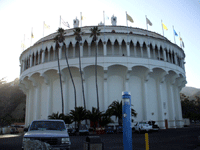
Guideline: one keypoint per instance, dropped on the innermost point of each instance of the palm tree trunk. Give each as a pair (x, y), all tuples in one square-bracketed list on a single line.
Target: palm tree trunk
[(60, 83), (96, 80), (80, 70), (71, 80)]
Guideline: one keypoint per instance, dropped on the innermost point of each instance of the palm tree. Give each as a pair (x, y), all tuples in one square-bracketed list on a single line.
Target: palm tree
[(105, 119), (77, 33), (79, 114), (56, 116), (115, 109), (71, 78), (94, 33), (94, 115), (59, 39)]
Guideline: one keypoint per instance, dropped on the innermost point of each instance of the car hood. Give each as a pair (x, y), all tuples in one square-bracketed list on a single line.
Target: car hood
[(46, 133)]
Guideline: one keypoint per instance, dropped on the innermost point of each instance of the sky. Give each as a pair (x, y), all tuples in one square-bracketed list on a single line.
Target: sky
[(21, 17)]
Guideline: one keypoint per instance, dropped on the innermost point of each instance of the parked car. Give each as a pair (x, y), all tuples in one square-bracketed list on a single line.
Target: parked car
[(154, 125), (52, 132), (71, 131), (83, 130), (109, 129), (13, 130), (119, 129), (143, 127)]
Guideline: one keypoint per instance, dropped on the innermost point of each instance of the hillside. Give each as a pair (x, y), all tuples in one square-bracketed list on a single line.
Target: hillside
[(191, 92)]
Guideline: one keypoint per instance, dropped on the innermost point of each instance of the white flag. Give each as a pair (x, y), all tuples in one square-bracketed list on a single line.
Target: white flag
[(148, 22), (65, 23)]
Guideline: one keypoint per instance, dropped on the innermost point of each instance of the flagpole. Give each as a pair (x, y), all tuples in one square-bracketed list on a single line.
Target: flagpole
[(174, 35), (43, 28), (104, 25), (81, 18), (127, 25), (180, 39), (31, 35), (24, 42), (162, 28), (60, 21)]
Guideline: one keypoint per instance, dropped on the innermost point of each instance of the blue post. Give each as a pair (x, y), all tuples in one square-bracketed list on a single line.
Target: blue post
[(126, 115)]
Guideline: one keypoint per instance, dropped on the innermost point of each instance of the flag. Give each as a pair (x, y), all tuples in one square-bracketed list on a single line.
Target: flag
[(175, 33), (180, 39), (83, 18), (65, 23), (46, 26), (148, 22), (164, 26), (183, 44), (32, 36), (23, 45), (129, 18), (107, 18)]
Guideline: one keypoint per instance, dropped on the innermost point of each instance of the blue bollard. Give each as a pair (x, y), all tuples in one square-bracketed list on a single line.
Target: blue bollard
[(126, 115)]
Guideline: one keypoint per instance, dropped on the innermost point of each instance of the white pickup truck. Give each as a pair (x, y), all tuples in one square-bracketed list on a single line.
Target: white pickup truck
[(142, 127), (52, 132)]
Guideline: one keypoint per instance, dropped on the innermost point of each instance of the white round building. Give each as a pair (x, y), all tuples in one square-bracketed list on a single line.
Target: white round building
[(144, 63)]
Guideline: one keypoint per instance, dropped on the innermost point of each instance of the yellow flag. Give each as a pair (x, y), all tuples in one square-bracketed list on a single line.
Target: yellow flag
[(46, 26), (164, 26), (83, 18), (32, 36), (129, 18)]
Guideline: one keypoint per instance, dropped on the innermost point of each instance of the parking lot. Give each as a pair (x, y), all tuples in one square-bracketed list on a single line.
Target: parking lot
[(170, 139)]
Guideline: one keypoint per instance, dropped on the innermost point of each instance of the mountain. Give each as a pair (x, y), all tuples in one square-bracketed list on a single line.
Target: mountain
[(191, 92)]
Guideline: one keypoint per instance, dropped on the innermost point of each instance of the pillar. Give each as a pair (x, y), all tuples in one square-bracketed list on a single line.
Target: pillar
[(135, 51), (128, 48), (141, 50), (105, 89), (104, 48), (43, 56)]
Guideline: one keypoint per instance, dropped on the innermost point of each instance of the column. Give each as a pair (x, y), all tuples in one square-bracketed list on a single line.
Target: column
[(171, 58), (104, 48), (43, 56), (127, 80), (38, 58), (141, 50), (135, 51), (172, 103), (148, 51), (168, 56), (105, 89), (74, 49), (158, 54), (120, 49), (164, 54), (23, 62), (81, 49), (89, 49), (48, 56), (113, 52), (154, 53), (128, 48), (175, 57), (31, 61), (35, 60), (54, 54)]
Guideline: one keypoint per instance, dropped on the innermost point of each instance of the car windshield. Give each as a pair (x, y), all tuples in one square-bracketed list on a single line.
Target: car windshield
[(82, 127), (47, 125), (142, 123)]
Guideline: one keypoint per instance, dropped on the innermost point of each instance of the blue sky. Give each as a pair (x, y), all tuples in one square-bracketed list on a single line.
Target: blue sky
[(18, 17)]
